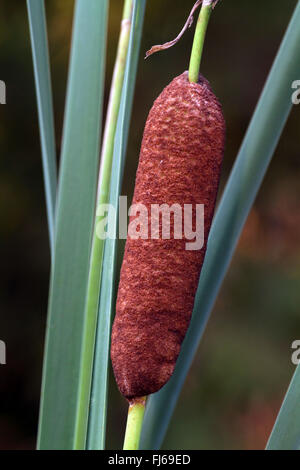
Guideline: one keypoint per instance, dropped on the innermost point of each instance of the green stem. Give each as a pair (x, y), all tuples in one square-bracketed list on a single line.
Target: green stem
[(199, 38), (93, 288), (134, 424)]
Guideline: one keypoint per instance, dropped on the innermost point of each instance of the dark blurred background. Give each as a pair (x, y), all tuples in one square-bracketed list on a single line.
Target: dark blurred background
[(243, 367)]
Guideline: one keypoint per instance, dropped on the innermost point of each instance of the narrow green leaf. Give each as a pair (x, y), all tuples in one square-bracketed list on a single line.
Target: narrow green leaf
[(286, 432), (95, 270), (244, 182), (74, 225), (98, 406), (40, 55)]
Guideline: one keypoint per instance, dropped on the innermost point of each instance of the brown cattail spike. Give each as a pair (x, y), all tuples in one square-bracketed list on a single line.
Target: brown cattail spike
[(180, 162)]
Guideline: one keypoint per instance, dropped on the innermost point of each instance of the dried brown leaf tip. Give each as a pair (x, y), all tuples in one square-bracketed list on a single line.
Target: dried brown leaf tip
[(188, 24), (180, 162)]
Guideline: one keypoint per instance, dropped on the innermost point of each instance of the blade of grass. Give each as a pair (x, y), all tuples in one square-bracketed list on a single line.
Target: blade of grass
[(98, 406), (244, 182), (74, 225), (91, 308), (286, 431), (41, 65)]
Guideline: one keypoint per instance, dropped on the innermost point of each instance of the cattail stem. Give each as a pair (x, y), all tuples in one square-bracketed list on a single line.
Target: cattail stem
[(199, 38), (134, 424), (98, 243)]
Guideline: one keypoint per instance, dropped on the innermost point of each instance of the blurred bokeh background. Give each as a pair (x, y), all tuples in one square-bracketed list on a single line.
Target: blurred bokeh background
[(243, 366)]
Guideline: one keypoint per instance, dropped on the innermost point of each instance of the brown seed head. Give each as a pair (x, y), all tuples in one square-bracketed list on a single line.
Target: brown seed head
[(180, 162)]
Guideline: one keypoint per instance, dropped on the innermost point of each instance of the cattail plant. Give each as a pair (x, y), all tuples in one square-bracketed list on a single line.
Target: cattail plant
[(180, 162)]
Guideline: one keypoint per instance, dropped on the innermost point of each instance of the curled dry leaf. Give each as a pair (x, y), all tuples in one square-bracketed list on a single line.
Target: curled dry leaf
[(188, 24)]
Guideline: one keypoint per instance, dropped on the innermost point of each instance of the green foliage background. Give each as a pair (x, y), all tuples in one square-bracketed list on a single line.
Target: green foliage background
[(243, 367)]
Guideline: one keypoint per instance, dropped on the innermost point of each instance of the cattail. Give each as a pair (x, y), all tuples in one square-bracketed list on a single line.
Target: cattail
[(180, 163)]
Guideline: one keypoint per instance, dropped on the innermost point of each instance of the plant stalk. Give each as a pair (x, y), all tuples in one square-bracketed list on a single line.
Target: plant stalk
[(199, 39), (94, 280), (135, 417)]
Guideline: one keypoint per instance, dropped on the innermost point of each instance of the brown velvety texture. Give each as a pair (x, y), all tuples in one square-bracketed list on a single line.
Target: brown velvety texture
[(180, 162)]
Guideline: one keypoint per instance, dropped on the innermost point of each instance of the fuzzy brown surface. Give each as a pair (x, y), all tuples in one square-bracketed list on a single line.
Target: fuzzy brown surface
[(180, 162)]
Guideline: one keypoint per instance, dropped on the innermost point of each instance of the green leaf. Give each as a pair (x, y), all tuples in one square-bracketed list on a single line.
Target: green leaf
[(98, 406), (40, 55), (286, 432), (96, 260), (74, 225), (244, 182)]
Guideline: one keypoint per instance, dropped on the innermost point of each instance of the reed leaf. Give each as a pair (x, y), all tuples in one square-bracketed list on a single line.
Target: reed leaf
[(98, 404), (244, 182), (74, 225), (98, 242), (286, 432), (41, 65)]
